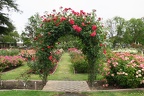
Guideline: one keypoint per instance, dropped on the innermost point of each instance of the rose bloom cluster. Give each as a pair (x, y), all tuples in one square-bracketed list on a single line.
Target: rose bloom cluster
[(68, 15), (11, 61), (125, 69)]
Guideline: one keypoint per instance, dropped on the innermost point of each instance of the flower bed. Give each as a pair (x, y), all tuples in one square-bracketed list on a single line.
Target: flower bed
[(8, 62), (79, 63), (9, 52), (55, 57), (129, 50), (125, 70)]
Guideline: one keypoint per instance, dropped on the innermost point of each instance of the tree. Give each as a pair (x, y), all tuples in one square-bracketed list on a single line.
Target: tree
[(5, 22), (11, 37), (26, 40), (116, 30), (69, 41), (31, 28), (135, 29)]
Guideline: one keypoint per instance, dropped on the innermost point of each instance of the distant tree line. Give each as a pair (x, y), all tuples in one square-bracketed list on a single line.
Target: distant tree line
[(125, 32)]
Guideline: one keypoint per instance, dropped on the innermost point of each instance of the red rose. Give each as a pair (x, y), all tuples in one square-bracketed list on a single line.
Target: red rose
[(50, 57), (101, 44), (77, 28), (71, 21), (62, 19), (94, 27), (93, 34), (42, 49), (48, 47), (99, 19), (44, 20), (32, 58), (83, 24), (55, 18), (54, 10), (94, 10), (61, 7), (104, 51), (66, 9), (35, 38)]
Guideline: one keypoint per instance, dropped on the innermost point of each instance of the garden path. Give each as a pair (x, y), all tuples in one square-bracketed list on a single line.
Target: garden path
[(63, 70), (65, 73)]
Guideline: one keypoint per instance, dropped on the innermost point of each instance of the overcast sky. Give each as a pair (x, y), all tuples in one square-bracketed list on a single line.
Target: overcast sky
[(106, 9)]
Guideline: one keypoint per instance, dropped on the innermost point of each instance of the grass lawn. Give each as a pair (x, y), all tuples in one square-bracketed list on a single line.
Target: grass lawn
[(27, 93), (43, 93), (15, 73), (63, 72), (124, 93)]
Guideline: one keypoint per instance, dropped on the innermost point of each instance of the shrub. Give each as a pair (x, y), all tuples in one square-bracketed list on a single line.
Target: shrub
[(125, 70), (80, 65), (55, 57), (9, 52), (129, 50), (7, 62)]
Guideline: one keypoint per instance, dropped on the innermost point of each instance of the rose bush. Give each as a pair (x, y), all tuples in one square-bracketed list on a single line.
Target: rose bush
[(7, 62), (125, 70), (78, 60), (81, 24), (54, 57)]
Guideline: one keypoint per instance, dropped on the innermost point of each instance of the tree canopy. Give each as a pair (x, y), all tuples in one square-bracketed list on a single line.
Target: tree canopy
[(5, 22)]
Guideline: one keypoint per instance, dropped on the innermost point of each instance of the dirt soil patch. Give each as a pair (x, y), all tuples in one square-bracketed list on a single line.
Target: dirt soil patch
[(16, 84), (102, 85)]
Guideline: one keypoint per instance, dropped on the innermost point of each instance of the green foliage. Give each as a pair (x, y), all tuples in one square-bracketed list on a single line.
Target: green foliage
[(28, 93), (9, 52), (31, 28), (125, 70), (5, 24), (56, 55), (80, 65), (125, 32), (11, 37), (68, 41), (85, 26), (8, 62)]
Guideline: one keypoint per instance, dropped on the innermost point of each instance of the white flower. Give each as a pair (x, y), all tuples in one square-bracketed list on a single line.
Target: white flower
[(123, 72), (139, 71), (139, 75), (136, 76), (142, 82), (112, 74), (126, 74)]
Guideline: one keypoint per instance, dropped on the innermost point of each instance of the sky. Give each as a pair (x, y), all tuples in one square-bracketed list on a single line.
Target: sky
[(106, 9)]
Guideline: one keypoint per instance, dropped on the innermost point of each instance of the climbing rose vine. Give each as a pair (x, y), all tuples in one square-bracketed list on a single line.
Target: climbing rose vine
[(81, 24)]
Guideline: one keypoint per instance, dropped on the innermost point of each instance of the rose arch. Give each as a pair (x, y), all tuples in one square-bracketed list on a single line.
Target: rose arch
[(86, 26)]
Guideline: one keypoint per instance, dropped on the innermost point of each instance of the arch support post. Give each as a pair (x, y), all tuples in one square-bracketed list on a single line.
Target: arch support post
[(92, 72)]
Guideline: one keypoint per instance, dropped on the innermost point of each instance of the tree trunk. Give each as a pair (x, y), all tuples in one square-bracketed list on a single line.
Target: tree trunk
[(92, 72), (44, 78)]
